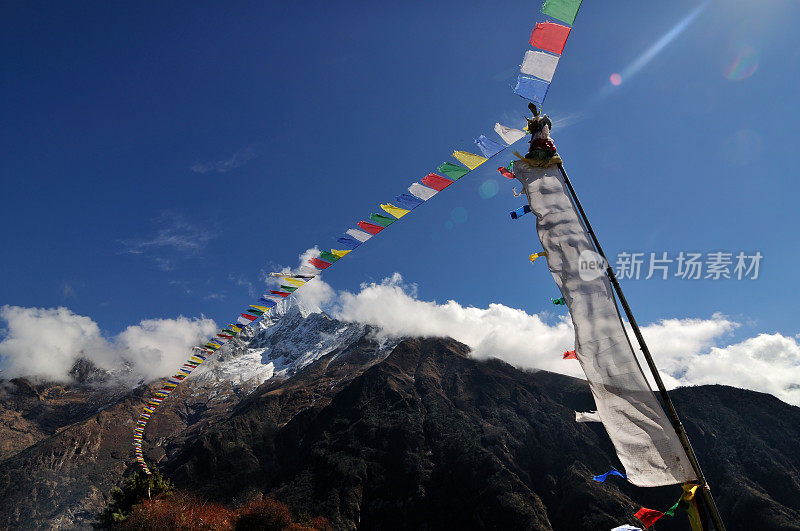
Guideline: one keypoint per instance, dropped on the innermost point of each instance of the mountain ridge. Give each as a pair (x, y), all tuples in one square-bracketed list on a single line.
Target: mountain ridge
[(375, 432)]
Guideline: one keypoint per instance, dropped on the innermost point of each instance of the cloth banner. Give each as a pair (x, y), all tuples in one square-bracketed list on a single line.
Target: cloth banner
[(531, 88), (587, 416), (549, 36), (359, 235), (470, 160), (423, 192), (437, 182), (508, 134), (539, 64), (563, 10), (627, 527), (452, 171), (643, 436), (648, 516), (488, 147)]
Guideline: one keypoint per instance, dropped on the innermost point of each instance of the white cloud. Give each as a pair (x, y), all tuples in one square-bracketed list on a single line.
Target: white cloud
[(687, 351), (157, 347), (174, 240), (239, 158), (46, 342)]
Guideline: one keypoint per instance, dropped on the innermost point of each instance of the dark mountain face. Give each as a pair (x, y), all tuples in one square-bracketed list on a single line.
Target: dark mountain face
[(417, 436)]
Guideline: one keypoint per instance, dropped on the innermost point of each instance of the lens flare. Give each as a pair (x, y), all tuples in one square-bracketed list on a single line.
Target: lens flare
[(743, 65), (459, 215), (615, 79), (488, 189)]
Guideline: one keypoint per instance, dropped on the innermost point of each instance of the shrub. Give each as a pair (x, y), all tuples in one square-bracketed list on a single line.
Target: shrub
[(179, 511), (263, 515)]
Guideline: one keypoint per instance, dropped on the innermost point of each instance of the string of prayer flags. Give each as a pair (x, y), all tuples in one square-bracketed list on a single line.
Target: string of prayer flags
[(550, 37), (508, 134), (613, 472), (648, 516), (417, 194), (587, 416), (531, 88), (570, 355), (437, 182), (563, 10), (489, 148), (559, 301), (539, 64), (470, 160), (452, 171), (534, 256), (521, 211)]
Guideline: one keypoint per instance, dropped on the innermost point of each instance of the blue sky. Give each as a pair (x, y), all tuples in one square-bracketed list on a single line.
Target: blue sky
[(156, 158)]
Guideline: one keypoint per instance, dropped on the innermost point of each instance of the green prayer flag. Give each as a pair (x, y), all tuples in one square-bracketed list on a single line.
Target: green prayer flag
[(254, 311), (289, 289), (563, 10), (453, 171), (330, 257), (383, 221)]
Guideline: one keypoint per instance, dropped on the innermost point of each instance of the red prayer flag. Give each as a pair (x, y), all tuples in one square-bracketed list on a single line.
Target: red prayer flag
[(370, 227), (550, 37), (437, 182), (278, 293), (570, 355), (249, 317), (316, 262), (648, 516), (506, 173)]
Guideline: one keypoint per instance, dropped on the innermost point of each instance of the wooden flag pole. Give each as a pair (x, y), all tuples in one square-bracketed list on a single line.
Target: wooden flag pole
[(705, 491)]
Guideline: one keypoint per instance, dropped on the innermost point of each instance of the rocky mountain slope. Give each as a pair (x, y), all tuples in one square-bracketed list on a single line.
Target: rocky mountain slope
[(333, 420)]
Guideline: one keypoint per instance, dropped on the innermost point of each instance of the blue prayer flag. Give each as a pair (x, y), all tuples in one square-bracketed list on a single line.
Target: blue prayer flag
[(521, 211), (408, 201), (613, 472), (267, 302), (348, 242), (489, 148), (531, 88)]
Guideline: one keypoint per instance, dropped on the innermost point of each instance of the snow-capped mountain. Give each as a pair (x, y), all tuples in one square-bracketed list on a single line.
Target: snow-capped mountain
[(288, 339)]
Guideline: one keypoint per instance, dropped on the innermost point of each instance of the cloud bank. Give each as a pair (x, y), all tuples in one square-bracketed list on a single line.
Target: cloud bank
[(46, 342), (687, 351)]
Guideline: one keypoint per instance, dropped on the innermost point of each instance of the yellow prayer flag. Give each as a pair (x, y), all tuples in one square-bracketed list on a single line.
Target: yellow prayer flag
[(534, 256), (395, 211), (262, 308), (338, 253), (470, 160), (294, 281)]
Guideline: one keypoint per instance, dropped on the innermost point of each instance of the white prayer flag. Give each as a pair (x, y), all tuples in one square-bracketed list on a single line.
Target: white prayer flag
[(508, 134), (423, 192), (539, 64)]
